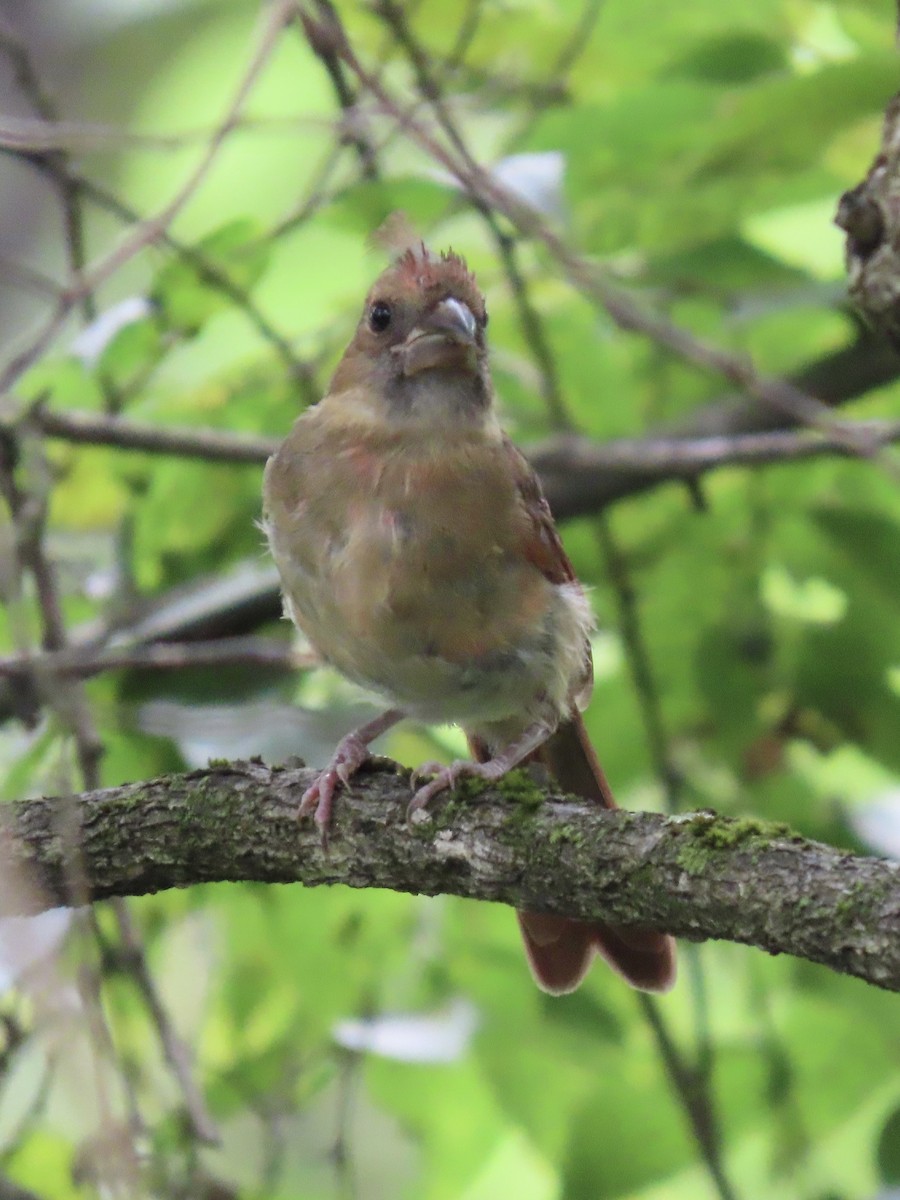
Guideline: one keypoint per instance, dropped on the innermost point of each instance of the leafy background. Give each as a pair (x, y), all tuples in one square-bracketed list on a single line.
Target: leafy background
[(372, 1045)]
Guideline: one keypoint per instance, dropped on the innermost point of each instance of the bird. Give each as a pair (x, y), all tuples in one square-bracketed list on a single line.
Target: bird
[(419, 556)]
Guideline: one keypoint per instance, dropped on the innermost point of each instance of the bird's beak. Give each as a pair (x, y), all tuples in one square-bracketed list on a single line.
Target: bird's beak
[(453, 318), (443, 338)]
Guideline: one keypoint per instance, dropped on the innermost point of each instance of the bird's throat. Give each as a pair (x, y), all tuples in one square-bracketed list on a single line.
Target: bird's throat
[(440, 397)]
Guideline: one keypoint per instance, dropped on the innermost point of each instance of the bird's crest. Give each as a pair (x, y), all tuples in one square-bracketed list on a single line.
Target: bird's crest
[(414, 263)]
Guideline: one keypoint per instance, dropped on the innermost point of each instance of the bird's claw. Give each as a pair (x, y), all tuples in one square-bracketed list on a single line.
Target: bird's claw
[(446, 777), (424, 771), (318, 799)]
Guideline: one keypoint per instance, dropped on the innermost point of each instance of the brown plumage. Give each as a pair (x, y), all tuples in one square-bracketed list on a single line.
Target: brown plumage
[(419, 556)]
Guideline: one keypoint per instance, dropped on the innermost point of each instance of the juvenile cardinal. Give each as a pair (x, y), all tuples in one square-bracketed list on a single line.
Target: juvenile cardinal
[(419, 556)]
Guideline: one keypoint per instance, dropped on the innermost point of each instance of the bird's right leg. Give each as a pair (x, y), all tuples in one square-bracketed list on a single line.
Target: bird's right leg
[(351, 752)]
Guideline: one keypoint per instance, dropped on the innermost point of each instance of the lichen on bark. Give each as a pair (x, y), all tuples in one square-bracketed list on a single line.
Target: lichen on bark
[(696, 875)]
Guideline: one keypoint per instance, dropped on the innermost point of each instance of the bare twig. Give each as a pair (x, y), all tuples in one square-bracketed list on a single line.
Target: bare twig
[(219, 279), (67, 697), (47, 135), (691, 1086), (577, 41), (465, 35), (580, 476), (533, 333), (207, 269), (638, 657), (28, 512), (477, 182), (163, 656), (68, 700), (693, 1082), (148, 231), (583, 477), (175, 1049), (56, 159), (100, 429), (353, 132), (22, 274)]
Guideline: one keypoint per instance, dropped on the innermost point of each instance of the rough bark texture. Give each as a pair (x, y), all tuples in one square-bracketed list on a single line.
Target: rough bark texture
[(698, 876), (870, 216)]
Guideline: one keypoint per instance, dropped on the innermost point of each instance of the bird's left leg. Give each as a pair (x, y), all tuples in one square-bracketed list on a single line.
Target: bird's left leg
[(350, 754), (493, 768)]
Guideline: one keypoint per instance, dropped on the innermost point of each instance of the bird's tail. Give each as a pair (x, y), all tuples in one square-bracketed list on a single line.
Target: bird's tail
[(560, 949)]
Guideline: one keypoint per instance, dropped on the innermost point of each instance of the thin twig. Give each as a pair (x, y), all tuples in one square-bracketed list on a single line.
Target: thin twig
[(691, 1087), (150, 230), (626, 312), (353, 132), (100, 429), (582, 475), (210, 272), (465, 35), (693, 1083), (533, 332), (56, 158), (163, 656), (68, 701), (67, 697), (36, 135), (577, 42), (175, 1049), (27, 276), (341, 1154), (579, 476), (638, 657)]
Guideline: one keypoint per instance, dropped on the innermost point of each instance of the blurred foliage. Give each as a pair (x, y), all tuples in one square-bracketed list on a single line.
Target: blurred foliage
[(702, 149)]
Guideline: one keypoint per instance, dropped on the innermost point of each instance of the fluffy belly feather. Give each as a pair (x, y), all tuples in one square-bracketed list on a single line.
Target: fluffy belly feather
[(443, 640)]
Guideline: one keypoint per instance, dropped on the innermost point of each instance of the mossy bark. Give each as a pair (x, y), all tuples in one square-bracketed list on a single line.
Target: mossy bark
[(699, 876)]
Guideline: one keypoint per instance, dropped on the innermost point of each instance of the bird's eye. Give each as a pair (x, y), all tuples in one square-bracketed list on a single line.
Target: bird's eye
[(380, 316)]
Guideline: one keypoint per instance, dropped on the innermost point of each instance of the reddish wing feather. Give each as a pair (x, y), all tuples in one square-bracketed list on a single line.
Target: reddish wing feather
[(560, 949), (542, 545)]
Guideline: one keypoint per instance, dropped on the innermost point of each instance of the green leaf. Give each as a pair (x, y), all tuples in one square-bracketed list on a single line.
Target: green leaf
[(133, 351), (889, 1150), (756, 132), (869, 540), (193, 287), (732, 58)]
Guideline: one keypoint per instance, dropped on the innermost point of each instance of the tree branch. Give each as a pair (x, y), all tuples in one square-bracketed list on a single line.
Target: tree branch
[(868, 215), (579, 475), (698, 876), (81, 663), (785, 398)]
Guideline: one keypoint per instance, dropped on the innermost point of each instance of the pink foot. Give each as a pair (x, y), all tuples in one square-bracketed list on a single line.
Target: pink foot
[(351, 752), (446, 777), (318, 798)]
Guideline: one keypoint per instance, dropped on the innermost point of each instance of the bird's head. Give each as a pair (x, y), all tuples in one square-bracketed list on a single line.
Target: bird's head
[(420, 343)]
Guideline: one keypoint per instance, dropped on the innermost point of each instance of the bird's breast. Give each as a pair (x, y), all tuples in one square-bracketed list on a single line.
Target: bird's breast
[(404, 570)]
